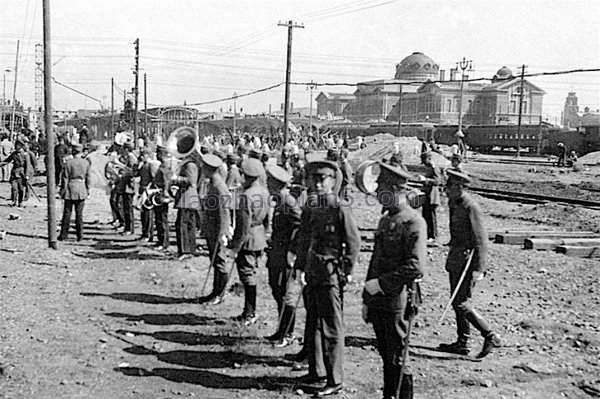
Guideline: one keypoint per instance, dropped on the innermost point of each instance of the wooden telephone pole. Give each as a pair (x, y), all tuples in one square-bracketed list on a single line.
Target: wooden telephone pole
[(288, 71), (520, 111)]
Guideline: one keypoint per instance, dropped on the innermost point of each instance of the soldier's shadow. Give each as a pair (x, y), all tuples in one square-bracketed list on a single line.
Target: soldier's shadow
[(160, 319), (360, 342), (190, 338), (211, 379), (209, 359), (138, 254), (139, 297)]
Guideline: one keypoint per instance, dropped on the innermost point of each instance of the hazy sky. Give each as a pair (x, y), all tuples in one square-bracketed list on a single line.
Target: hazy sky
[(197, 51)]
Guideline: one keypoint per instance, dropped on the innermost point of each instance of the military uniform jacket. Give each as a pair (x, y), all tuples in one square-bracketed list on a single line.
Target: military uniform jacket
[(187, 195), (328, 235), (252, 219), (125, 184), (431, 188), (217, 203), (399, 257), (19, 164), (76, 179), (162, 177), (286, 220), (146, 176), (467, 232)]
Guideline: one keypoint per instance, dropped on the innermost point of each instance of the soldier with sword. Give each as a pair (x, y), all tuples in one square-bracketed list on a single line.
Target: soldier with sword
[(392, 295)]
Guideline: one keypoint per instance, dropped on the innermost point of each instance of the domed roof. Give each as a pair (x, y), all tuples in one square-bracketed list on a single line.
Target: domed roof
[(417, 66), (503, 74)]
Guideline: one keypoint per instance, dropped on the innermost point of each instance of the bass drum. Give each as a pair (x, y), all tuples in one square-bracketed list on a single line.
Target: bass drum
[(366, 176)]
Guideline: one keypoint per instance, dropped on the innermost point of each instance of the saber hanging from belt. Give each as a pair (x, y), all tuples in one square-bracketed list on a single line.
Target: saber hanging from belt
[(415, 301), (33, 191), (460, 281)]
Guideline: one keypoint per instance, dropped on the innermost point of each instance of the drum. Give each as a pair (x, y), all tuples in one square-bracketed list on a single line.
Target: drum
[(366, 176)]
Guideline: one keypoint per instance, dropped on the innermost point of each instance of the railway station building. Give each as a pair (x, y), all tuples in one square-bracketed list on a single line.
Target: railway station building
[(421, 92)]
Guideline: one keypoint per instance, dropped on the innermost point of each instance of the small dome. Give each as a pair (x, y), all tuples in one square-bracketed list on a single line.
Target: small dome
[(417, 66), (503, 74)]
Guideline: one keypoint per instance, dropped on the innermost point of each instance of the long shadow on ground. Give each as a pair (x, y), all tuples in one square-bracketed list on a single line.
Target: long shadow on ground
[(188, 319), (209, 359), (211, 379), (140, 297), (190, 338)]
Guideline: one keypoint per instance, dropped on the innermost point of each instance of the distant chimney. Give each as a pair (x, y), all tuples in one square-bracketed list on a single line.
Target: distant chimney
[(442, 75), (453, 74)]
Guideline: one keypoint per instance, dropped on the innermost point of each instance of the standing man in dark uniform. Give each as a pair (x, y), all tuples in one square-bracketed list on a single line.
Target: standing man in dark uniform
[(146, 171), (346, 173), (217, 224), (249, 240), (431, 182), (187, 204), (257, 154), (286, 221), (126, 188), (234, 177), (399, 258), (468, 242), (18, 173), (161, 181), (61, 150), (75, 187), (327, 249)]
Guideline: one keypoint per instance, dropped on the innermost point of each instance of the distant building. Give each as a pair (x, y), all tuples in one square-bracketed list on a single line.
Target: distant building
[(570, 117), (428, 97), (333, 104)]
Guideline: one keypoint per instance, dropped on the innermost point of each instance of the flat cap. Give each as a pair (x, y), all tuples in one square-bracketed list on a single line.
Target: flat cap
[(276, 172), (255, 153), (212, 160), (456, 175), (252, 167), (394, 172), (322, 167)]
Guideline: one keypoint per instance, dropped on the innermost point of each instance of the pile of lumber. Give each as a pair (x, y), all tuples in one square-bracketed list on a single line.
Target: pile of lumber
[(584, 244)]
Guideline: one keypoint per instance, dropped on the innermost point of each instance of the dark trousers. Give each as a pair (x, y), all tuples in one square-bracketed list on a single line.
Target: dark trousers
[(66, 219), (429, 214), (247, 267), (147, 216), (185, 231), (324, 316), (465, 313), (390, 331), (115, 208), (17, 189), (217, 257), (284, 289), (161, 218), (127, 202), (58, 166)]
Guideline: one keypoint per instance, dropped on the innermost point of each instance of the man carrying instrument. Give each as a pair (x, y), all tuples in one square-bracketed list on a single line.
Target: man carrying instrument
[(146, 171), (286, 221), (125, 186), (187, 204), (161, 209), (399, 258), (217, 224), (468, 250), (327, 248), (249, 240)]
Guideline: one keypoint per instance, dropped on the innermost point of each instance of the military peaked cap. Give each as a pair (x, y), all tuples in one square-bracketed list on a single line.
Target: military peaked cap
[(322, 167), (212, 160), (394, 172), (278, 173), (252, 167)]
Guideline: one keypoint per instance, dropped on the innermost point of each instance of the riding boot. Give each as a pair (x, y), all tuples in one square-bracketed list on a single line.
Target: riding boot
[(219, 283), (249, 299), (288, 320), (406, 391)]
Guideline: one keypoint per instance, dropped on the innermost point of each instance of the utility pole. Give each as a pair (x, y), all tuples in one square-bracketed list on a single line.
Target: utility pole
[(14, 105), (520, 110), (288, 71), (234, 113), (400, 110), (39, 83), (112, 108), (145, 110), (136, 89), (463, 65), (311, 86), (50, 181)]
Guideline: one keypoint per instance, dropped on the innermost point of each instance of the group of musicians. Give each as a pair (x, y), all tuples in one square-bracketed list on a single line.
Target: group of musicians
[(295, 212)]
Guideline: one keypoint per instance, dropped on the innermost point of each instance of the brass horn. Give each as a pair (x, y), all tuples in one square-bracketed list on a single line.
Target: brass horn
[(122, 138), (183, 142)]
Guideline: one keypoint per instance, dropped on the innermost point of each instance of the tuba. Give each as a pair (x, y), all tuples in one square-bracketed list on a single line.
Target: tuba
[(184, 142)]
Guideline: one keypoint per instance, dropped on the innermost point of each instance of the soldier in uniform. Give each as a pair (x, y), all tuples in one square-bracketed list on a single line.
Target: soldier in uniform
[(399, 258), (125, 187), (257, 154), (187, 204), (327, 248), (431, 182), (249, 240), (18, 173), (286, 221), (468, 242), (456, 162), (218, 224), (346, 173), (75, 187), (234, 177), (161, 181), (146, 171)]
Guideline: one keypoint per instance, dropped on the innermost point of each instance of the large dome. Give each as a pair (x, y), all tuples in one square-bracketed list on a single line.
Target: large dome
[(503, 74), (417, 66)]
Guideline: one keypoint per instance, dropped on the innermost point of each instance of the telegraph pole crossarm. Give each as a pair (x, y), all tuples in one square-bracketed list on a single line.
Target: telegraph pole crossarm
[(290, 25)]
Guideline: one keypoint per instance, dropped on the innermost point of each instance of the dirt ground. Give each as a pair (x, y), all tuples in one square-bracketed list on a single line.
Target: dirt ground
[(110, 317)]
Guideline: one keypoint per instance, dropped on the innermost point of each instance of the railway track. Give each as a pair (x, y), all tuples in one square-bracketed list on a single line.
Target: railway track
[(528, 198)]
